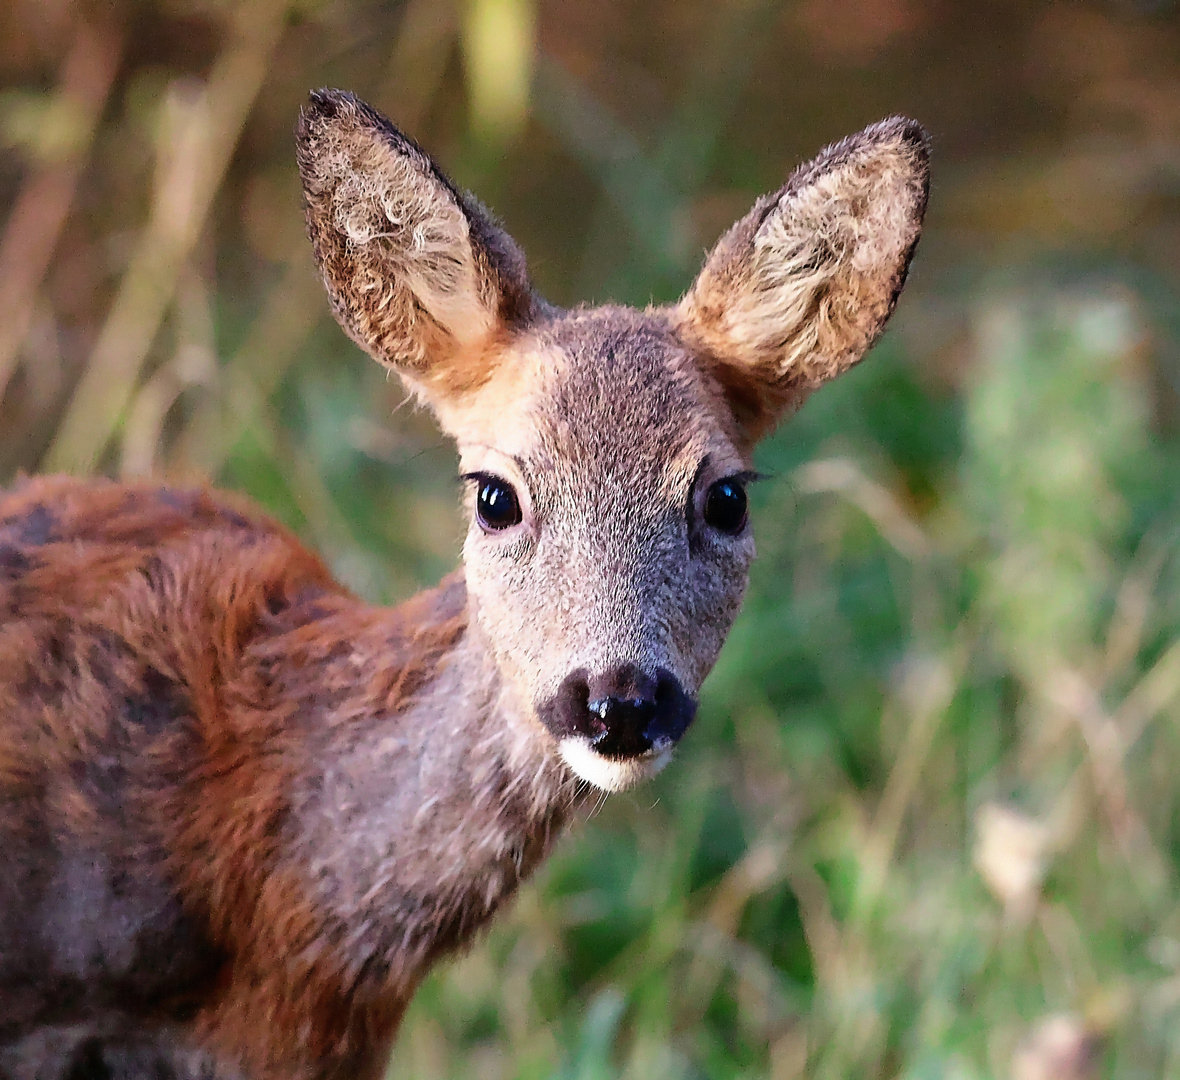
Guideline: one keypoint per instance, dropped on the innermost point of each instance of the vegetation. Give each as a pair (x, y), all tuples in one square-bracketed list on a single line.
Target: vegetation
[(928, 822)]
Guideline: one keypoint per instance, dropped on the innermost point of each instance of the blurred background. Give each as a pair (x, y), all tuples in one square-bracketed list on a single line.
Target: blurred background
[(928, 822)]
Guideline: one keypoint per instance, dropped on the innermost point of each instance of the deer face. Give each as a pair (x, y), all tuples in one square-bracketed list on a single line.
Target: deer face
[(609, 541), (606, 451)]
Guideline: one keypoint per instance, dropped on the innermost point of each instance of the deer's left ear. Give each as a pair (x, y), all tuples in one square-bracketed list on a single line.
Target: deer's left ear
[(797, 291)]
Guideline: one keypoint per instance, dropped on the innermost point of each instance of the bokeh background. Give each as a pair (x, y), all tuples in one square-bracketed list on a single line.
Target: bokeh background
[(928, 822)]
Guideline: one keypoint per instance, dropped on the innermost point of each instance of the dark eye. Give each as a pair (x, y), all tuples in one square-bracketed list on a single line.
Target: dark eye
[(725, 506), (496, 504)]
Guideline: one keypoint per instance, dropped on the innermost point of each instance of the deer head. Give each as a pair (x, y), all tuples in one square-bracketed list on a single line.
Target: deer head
[(606, 450)]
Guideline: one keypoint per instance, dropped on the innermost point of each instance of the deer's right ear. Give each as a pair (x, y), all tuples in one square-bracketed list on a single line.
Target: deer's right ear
[(418, 273)]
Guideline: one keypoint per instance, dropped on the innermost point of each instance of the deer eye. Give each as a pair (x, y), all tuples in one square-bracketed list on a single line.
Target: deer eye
[(725, 506), (496, 504)]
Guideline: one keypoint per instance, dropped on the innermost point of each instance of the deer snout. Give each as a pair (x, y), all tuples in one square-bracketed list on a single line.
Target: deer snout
[(621, 713)]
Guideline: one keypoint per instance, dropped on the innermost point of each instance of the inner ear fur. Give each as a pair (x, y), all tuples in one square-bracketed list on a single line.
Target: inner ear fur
[(798, 290), (419, 274)]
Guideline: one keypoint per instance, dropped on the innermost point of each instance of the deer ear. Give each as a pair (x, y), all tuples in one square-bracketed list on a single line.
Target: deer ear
[(797, 291), (419, 274)]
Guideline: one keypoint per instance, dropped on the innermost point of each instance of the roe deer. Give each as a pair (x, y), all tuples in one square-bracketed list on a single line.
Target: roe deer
[(241, 811)]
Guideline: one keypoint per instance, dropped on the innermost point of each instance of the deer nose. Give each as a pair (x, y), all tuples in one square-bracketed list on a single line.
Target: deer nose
[(622, 712)]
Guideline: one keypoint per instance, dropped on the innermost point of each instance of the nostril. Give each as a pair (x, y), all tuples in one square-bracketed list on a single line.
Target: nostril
[(673, 712), (569, 711)]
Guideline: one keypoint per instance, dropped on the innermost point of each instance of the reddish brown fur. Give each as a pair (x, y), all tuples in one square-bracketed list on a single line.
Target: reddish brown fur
[(106, 592)]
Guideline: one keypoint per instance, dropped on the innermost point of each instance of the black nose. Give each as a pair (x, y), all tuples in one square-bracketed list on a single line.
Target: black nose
[(624, 712)]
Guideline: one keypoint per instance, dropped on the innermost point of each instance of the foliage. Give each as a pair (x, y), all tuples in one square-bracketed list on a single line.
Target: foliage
[(926, 824)]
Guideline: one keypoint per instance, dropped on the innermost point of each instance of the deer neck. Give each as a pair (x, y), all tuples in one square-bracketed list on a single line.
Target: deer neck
[(418, 794), (431, 792)]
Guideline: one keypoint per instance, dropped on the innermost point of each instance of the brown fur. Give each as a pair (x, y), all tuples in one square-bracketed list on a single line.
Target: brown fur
[(241, 812), (168, 662)]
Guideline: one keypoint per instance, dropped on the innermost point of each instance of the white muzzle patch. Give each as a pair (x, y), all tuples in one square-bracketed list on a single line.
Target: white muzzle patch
[(611, 774)]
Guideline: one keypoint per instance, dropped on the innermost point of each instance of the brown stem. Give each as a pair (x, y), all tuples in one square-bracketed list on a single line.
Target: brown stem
[(35, 224)]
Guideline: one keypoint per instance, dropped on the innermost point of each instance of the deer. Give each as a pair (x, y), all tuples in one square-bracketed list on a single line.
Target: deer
[(242, 811)]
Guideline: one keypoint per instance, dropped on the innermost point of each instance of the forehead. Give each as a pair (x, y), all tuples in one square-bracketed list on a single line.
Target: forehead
[(623, 396)]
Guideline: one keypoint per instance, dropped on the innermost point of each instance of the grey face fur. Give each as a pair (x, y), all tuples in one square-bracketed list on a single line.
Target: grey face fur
[(609, 425), (612, 563)]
